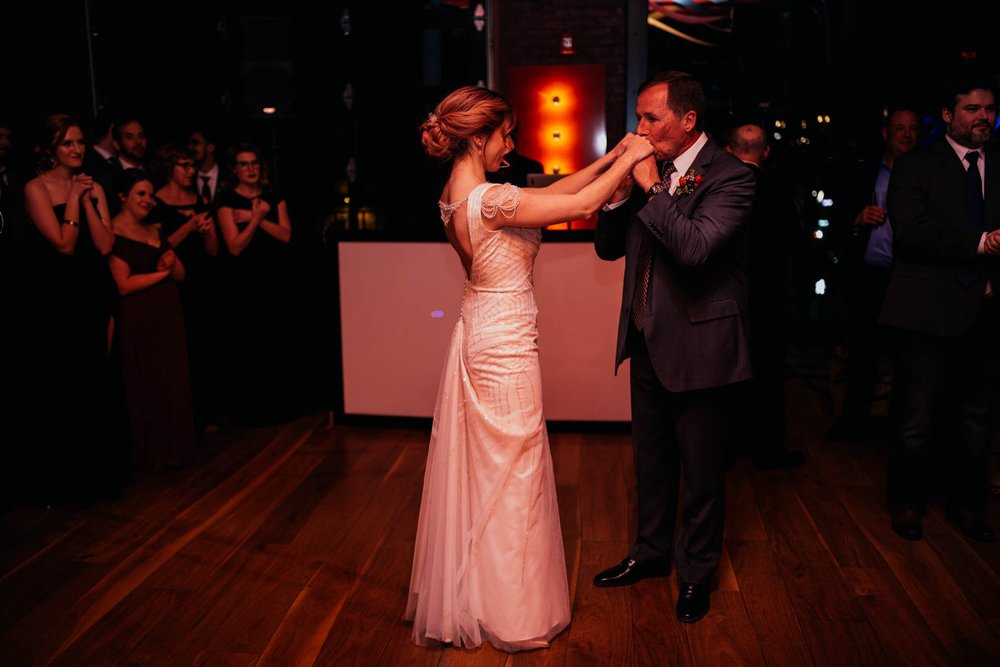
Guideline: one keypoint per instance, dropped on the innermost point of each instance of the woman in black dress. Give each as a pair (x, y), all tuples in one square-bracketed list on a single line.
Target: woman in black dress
[(72, 298), (256, 228), (151, 340), (190, 227)]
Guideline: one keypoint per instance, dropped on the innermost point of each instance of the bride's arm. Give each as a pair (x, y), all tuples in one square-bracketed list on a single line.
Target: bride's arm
[(506, 206), (572, 183)]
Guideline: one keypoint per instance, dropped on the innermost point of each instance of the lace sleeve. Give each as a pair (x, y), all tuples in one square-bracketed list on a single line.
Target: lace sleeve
[(504, 198)]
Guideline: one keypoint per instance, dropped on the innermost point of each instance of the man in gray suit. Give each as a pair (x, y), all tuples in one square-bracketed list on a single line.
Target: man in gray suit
[(683, 323)]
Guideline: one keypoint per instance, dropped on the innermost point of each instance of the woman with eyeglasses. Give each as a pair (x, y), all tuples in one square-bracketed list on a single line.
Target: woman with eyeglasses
[(190, 228), (71, 304), (256, 229), (150, 339)]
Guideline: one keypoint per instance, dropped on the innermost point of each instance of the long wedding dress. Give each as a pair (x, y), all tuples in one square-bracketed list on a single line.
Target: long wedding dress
[(489, 561)]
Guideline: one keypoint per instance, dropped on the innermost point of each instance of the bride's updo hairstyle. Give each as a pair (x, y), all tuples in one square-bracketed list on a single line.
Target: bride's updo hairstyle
[(466, 113)]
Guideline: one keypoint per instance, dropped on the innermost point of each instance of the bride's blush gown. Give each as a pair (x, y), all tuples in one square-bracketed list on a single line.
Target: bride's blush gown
[(489, 561)]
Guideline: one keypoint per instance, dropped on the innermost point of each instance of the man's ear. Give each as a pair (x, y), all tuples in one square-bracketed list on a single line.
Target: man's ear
[(688, 120)]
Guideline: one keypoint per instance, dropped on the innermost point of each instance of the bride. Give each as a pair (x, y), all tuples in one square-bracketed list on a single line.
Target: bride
[(488, 561)]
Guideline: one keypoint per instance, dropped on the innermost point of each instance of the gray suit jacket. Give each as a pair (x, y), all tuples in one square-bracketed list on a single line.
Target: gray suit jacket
[(696, 319)]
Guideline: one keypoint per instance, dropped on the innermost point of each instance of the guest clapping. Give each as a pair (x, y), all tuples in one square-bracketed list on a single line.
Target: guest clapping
[(151, 338)]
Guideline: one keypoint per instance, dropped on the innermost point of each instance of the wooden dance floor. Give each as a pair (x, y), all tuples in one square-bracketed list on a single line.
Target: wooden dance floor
[(292, 546)]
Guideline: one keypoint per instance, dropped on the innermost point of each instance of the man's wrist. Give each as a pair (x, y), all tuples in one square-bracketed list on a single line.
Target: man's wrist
[(655, 189)]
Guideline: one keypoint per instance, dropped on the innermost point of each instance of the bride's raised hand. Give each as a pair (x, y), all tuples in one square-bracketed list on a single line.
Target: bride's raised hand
[(620, 147), (638, 148)]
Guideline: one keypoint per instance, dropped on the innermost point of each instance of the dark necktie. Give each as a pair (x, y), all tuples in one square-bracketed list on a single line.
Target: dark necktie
[(644, 263), (974, 210), (206, 191), (973, 193)]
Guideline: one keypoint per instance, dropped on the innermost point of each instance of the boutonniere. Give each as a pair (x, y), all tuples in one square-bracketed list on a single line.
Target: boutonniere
[(688, 183)]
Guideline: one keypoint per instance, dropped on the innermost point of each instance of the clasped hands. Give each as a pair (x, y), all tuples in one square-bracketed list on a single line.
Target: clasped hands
[(167, 261), (991, 244), (644, 173), (202, 222)]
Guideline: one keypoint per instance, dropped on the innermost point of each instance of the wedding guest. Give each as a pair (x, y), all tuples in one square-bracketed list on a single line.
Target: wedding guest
[(762, 404), (151, 341), (73, 299), (256, 228), (191, 230), (867, 268), (942, 306), (210, 180)]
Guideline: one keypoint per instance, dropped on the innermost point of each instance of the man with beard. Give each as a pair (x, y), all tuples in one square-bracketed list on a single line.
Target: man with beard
[(211, 180), (942, 302), (130, 145), (130, 141)]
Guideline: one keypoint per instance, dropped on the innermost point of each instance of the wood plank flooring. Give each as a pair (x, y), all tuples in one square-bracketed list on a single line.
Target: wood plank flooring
[(292, 546)]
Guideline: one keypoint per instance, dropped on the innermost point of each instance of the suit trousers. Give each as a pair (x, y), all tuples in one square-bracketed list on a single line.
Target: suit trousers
[(865, 341), (943, 392), (675, 434)]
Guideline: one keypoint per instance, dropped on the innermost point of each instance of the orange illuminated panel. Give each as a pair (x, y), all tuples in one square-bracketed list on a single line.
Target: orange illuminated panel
[(560, 110)]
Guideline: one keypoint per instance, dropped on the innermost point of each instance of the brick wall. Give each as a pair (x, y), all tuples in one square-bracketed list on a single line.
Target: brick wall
[(528, 32)]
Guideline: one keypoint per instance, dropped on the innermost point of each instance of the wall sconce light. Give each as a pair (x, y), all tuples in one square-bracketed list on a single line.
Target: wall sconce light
[(556, 135), (555, 169), (269, 111), (566, 44), (479, 17), (555, 100)]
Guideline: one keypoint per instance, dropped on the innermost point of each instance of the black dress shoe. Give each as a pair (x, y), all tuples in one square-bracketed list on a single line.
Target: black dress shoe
[(630, 571), (906, 523), (973, 524), (692, 603)]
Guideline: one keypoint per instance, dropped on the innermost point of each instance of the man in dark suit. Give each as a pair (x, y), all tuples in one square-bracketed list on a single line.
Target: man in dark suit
[(944, 208), (129, 142), (867, 268), (683, 323), (101, 159), (211, 180), (761, 421)]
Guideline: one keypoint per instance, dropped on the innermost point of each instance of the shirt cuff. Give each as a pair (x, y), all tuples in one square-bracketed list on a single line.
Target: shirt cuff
[(617, 204), (982, 244)]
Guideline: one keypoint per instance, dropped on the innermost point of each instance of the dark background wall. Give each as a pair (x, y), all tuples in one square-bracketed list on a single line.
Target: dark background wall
[(187, 62)]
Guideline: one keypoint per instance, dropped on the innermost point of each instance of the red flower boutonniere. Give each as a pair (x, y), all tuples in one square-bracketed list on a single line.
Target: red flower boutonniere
[(688, 183)]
